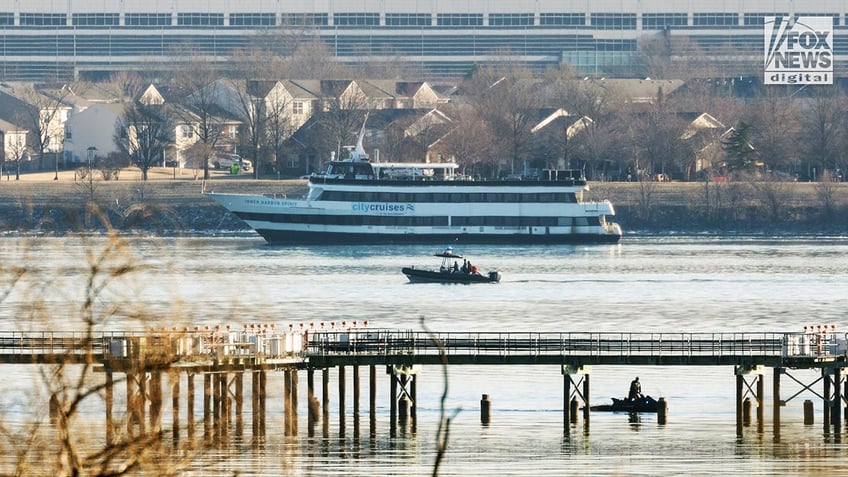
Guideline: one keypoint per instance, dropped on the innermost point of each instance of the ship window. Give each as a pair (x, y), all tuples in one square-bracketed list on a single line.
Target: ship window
[(565, 221), (581, 221)]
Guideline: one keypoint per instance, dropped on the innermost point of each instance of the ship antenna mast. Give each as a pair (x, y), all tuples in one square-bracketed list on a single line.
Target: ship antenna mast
[(359, 152)]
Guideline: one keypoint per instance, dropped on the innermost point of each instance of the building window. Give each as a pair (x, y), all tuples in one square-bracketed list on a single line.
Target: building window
[(252, 19), (95, 19), (43, 19), (409, 19), (562, 19), (292, 162), (187, 132), (305, 19), (835, 16), (659, 21), (715, 19), (510, 19), (200, 19), (460, 19), (297, 107), (356, 19), (613, 21), (758, 19), (7, 19), (147, 19)]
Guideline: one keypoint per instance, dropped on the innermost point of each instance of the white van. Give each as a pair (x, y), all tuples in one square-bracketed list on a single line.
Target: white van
[(225, 161)]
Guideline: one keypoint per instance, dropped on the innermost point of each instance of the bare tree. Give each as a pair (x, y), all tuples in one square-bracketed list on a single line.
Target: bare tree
[(470, 142), (774, 120), (16, 150), (822, 123), (344, 117), (510, 104), (143, 132), (199, 91), (44, 114)]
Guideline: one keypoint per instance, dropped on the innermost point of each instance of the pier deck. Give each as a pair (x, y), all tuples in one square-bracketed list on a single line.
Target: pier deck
[(377, 346)]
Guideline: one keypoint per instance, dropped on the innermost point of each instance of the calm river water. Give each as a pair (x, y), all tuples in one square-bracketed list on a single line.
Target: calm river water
[(645, 284)]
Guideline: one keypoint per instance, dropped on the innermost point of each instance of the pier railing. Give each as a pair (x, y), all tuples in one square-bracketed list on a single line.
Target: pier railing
[(392, 346), (598, 348)]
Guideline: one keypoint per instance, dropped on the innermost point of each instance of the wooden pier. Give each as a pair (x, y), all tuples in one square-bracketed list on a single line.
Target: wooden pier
[(224, 357)]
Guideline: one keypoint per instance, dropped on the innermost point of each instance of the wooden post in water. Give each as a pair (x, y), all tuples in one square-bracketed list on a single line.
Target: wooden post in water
[(141, 401), (207, 405), (254, 404), (239, 383), (263, 380), (775, 389), (575, 408), (746, 412), (413, 391), (294, 382), (393, 404), (485, 410), (808, 412), (372, 400), (740, 381), (325, 398), (586, 401), (110, 430), (156, 401), (287, 405), (312, 410), (342, 387), (760, 403), (566, 402), (662, 411), (356, 395), (216, 404), (836, 405), (226, 403), (190, 405), (828, 404), (131, 404), (174, 378)]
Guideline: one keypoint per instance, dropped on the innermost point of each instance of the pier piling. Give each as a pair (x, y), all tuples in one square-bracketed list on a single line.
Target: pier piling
[(485, 410)]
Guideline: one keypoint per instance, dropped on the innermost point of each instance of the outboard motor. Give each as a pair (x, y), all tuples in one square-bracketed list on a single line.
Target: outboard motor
[(495, 276)]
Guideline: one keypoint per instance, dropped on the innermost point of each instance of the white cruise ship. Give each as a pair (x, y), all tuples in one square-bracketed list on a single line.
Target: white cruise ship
[(362, 202)]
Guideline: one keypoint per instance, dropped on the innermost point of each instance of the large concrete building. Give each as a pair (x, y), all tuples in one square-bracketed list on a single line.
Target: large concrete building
[(66, 38)]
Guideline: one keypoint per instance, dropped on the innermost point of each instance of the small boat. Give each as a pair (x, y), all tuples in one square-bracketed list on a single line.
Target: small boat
[(450, 272), (642, 404)]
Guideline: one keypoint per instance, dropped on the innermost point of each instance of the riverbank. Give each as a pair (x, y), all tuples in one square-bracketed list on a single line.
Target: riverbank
[(171, 202)]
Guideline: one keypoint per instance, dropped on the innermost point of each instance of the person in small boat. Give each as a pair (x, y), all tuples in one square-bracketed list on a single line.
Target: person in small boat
[(455, 266), (464, 266), (635, 390)]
